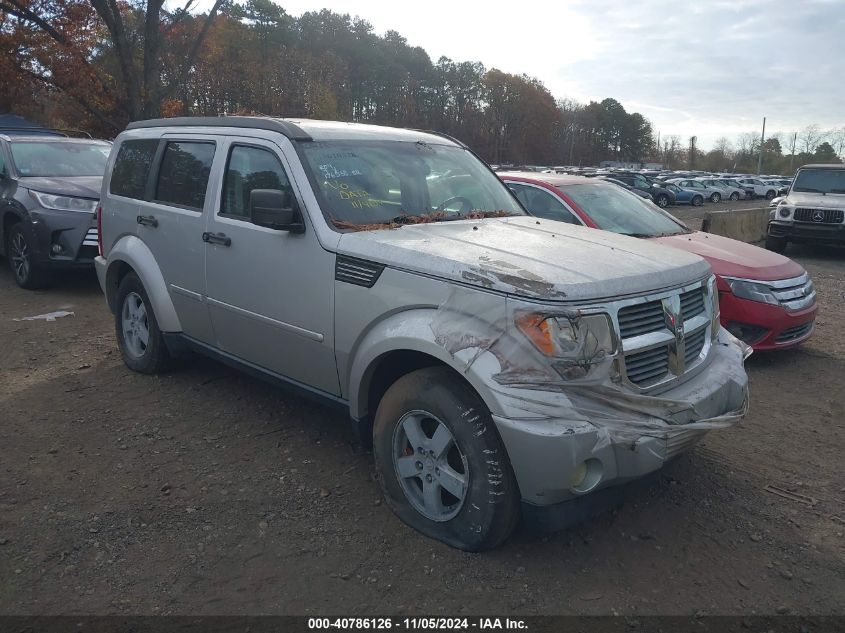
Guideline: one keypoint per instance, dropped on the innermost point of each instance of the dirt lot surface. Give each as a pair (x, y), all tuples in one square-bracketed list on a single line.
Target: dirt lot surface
[(205, 491)]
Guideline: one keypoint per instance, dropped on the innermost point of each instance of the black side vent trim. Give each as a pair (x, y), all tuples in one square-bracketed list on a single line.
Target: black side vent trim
[(359, 272)]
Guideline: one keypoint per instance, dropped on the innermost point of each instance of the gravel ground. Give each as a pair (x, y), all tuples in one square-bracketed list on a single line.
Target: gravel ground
[(208, 492)]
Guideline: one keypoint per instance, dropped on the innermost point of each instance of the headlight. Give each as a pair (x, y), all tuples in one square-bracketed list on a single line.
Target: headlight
[(752, 290), (575, 343), (64, 203), (784, 211)]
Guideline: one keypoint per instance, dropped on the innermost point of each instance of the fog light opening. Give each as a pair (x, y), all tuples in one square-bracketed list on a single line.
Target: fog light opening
[(587, 476), (748, 334), (57, 249)]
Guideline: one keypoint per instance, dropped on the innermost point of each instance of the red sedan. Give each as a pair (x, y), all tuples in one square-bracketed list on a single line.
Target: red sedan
[(765, 299)]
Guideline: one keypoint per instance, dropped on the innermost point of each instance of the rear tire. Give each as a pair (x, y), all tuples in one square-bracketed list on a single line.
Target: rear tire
[(716, 197), (770, 194), (442, 466), (138, 336), (776, 244), (21, 260), (662, 200), (697, 201), (734, 196)]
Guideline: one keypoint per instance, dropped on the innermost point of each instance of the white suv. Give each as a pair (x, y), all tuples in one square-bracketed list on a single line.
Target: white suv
[(760, 188)]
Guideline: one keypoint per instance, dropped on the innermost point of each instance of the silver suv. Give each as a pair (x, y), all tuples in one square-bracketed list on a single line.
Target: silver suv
[(500, 364)]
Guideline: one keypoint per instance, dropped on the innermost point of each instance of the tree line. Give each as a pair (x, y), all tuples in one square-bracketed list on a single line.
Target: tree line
[(99, 64)]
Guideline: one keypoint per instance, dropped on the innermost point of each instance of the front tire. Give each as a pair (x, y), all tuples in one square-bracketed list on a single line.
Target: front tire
[(770, 194), (776, 244), (716, 197), (442, 466), (662, 200), (138, 335), (697, 201), (734, 196), (21, 259)]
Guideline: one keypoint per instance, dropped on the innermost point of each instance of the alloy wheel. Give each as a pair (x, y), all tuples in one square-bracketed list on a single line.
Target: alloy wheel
[(135, 325), (21, 257), (432, 470)]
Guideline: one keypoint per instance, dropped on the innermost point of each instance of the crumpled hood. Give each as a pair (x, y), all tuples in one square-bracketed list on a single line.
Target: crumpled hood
[(79, 186), (732, 258), (816, 200), (528, 257)]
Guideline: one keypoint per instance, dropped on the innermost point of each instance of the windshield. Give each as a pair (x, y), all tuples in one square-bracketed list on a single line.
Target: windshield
[(382, 184), (820, 181), (613, 209), (60, 158)]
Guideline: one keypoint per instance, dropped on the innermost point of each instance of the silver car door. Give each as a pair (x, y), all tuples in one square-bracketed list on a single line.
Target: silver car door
[(270, 292), (171, 220)]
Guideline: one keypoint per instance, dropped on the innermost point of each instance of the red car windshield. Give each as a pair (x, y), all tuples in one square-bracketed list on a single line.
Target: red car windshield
[(614, 209)]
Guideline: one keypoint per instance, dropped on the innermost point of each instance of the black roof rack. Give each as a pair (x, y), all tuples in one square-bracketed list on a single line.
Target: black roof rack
[(446, 136), (290, 130), (41, 131)]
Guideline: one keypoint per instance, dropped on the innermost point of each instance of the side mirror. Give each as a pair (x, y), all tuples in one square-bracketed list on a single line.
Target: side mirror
[(275, 209)]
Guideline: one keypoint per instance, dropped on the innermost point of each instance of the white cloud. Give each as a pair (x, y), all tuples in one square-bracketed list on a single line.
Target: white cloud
[(706, 68)]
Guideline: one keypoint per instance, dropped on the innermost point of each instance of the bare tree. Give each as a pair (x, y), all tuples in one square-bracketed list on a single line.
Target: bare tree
[(723, 146), (837, 140), (810, 137)]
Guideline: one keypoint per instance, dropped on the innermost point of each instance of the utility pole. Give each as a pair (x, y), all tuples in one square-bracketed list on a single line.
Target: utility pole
[(659, 159), (792, 153), (762, 140)]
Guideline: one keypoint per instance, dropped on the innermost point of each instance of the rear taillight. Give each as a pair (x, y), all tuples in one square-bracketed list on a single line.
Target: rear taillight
[(99, 214)]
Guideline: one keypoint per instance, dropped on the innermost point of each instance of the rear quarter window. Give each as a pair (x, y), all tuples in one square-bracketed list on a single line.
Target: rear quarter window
[(132, 168)]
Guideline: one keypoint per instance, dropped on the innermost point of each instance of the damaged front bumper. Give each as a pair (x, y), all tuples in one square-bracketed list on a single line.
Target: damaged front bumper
[(571, 443)]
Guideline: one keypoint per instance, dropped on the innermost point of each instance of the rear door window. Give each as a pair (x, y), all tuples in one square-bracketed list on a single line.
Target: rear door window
[(183, 174)]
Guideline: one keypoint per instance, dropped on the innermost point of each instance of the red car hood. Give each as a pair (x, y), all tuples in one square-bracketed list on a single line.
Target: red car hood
[(732, 258)]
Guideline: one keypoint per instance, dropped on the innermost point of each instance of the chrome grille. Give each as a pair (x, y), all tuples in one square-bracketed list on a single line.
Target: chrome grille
[(641, 319), (90, 238), (692, 303), (794, 333), (648, 367), (826, 216), (665, 335), (793, 294), (694, 345)]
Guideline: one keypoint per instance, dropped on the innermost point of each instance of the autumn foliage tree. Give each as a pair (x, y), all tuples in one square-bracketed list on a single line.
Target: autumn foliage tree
[(99, 64)]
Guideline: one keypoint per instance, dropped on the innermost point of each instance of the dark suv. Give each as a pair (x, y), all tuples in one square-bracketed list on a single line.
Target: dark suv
[(49, 190), (662, 196)]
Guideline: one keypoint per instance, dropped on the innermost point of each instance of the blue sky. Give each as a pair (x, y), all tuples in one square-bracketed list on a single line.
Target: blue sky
[(709, 68)]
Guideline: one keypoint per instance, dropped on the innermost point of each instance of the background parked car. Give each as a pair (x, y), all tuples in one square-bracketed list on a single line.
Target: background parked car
[(49, 188), (684, 196), (760, 189), (627, 187), (713, 194), (768, 302), (662, 196), (728, 191)]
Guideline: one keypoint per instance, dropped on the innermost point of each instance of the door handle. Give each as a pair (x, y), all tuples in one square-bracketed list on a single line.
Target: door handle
[(147, 220), (217, 238)]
